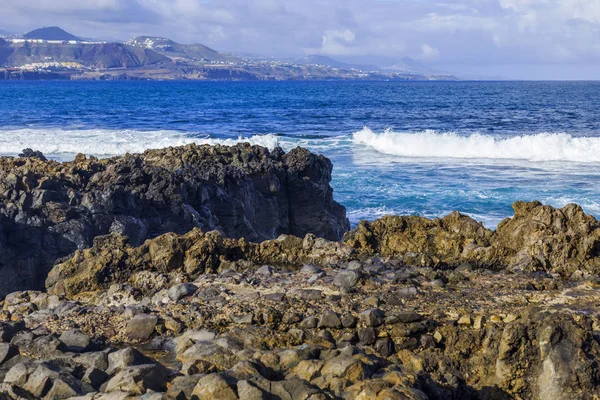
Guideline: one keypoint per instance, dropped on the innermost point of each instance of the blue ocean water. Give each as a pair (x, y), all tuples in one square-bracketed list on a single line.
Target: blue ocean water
[(423, 148)]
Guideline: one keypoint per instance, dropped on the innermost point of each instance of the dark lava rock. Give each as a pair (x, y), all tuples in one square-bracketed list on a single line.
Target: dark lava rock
[(49, 209), (30, 153), (75, 340), (330, 319), (7, 351)]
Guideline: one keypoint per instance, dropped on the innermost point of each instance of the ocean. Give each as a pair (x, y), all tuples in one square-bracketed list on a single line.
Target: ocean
[(406, 148)]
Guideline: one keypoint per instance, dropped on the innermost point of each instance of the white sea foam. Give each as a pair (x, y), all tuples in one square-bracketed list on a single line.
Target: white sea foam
[(432, 144), (60, 143)]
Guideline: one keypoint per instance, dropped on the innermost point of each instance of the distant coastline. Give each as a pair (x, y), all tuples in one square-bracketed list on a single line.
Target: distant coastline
[(51, 54)]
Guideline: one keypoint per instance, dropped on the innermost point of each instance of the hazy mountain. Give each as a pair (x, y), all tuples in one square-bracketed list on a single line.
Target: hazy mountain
[(50, 33), (149, 57), (330, 62), (4, 33), (174, 50), (100, 55), (410, 66)]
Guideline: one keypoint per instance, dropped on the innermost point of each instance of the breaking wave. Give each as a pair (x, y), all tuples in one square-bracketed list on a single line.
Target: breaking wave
[(432, 144), (60, 143)]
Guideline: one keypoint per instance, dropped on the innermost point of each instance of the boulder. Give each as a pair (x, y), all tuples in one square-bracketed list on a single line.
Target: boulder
[(138, 379), (329, 319), (214, 387), (75, 340), (182, 290), (141, 326), (347, 279)]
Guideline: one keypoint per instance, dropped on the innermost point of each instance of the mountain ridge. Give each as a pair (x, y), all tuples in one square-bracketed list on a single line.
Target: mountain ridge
[(50, 33), (51, 50)]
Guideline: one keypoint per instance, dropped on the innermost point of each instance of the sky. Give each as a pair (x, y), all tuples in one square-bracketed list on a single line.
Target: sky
[(515, 39)]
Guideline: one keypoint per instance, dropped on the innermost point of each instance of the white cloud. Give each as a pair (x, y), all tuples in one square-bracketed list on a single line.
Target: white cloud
[(489, 32), (429, 53)]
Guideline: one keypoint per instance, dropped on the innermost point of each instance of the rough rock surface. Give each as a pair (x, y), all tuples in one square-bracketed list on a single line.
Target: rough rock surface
[(50, 209), (537, 238), (402, 308), (243, 334)]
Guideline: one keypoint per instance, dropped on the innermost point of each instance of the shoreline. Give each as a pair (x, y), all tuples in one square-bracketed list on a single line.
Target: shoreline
[(167, 305)]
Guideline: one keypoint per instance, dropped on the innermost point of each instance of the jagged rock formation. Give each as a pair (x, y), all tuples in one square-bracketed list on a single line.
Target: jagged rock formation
[(537, 238), (396, 332), (113, 260), (437, 241), (50, 209)]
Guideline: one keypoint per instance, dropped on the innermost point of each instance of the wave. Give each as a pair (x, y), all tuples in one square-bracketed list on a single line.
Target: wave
[(432, 144), (59, 143)]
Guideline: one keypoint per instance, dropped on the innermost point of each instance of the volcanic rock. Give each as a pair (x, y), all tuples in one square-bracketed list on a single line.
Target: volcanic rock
[(50, 209)]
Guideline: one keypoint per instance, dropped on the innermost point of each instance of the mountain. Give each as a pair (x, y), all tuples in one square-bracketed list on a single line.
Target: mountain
[(174, 50), (4, 33), (411, 66), (330, 62), (50, 33), (97, 55)]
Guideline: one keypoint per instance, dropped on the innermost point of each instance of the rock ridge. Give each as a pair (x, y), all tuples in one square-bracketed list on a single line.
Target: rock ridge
[(50, 209)]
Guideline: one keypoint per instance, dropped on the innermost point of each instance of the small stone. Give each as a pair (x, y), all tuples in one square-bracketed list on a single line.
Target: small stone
[(479, 322), (138, 379), (308, 294), (407, 317), (291, 318), (121, 359), (214, 386), (17, 375), (367, 336), (271, 316), (75, 340), (315, 277), (428, 341), (62, 390), (372, 301), (510, 318), (243, 319), (310, 269), (465, 320), (265, 270), (95, 377), (174, 325), (385, 347), (437, 283), (330, 320), (276, 297), (141, 326), (348, 320), (438, 336), (346, 279), (182, 290), (7, 351), (496, 319), (249, 391), (309, 323), (410, 344), (354, 265), (372, 317)]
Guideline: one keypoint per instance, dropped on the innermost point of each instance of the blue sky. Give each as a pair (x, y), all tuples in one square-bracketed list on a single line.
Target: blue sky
[(527, 39)]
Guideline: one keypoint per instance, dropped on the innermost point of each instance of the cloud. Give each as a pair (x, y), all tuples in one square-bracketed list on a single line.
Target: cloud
[(476, 32)]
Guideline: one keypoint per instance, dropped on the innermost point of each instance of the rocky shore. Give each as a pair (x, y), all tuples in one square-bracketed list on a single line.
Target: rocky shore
[(50, 209), (258, 295)]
